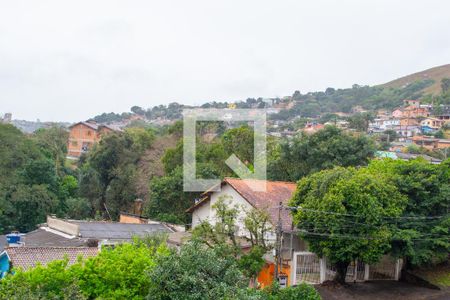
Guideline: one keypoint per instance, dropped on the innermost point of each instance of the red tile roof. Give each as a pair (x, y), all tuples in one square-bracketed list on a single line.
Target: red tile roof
[(28, 257), (276, 192)]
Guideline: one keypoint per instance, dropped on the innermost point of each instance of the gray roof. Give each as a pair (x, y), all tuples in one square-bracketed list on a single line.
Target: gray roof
[(43, 238), (120, 231), (3, 242)]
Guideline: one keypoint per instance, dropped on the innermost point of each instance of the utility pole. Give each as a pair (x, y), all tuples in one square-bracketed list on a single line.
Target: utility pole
[(278, 244)]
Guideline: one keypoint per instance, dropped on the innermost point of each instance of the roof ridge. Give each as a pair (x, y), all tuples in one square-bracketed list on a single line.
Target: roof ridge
[(279, 181)]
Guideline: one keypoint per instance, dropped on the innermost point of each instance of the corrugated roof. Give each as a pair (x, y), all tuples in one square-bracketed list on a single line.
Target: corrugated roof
[(28, 257), (121, 231), (43, 238)]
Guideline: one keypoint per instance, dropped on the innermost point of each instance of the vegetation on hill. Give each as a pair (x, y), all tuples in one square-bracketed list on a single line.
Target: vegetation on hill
[(436, 74)]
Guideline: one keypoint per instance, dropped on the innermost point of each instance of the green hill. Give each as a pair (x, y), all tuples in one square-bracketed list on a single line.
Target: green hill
[(436, 74)]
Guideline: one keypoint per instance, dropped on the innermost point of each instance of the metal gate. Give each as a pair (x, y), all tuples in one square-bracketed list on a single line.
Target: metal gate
[(307, 268), (388, 268)]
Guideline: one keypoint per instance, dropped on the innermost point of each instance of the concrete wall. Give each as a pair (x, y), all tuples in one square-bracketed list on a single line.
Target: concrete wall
[(63, 226)]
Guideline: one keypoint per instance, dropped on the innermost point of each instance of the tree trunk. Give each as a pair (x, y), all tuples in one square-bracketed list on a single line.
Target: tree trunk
[(341, 271)]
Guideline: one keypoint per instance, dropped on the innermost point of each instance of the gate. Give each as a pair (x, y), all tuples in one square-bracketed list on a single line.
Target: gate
[(309, 268)]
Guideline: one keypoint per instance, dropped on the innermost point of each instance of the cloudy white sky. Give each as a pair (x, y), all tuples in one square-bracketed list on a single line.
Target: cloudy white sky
[(70, 60)]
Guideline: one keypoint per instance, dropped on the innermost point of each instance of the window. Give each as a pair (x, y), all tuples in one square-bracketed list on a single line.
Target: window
[(89, 133), (74, 143)]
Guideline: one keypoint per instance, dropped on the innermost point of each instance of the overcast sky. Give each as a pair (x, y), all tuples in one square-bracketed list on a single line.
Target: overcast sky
[(70, 60)]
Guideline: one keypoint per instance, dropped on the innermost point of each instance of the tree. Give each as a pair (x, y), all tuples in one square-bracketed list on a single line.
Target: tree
[(445, 85), (138, 110), (360, 122), (422, 236), (239, 141), (32, 204), (342, 215), (324, 149), (196, 272), (54, 141)]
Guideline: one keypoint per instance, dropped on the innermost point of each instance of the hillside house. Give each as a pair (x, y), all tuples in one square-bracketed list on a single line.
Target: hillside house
[(430, 125), (442, 112), (83, 135), (431, 143), (240, 194), (297, 263)]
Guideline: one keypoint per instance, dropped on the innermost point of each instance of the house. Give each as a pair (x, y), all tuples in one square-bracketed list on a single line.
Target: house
[(407, 130), (240, 194), (83, 136), (74, 233), (297, 263), (412, 103), (442, 112), (398, 113), (28, 257), (431, 143), (430, 125), (415, 112)]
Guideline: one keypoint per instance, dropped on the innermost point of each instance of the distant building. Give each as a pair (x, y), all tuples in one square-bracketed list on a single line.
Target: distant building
[(430, 125), (431, 143), (413, 103), (83, 135), (7, 118)]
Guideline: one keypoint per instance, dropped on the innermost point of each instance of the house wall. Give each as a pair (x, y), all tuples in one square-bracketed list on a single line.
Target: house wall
[(80, 135), (131, 219), (201, 214), (206, 213)]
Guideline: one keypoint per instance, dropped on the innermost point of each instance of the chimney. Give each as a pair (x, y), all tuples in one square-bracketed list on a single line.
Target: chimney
[(138, 207)]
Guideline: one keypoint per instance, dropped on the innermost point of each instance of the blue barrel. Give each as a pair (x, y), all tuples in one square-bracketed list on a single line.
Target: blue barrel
[(13, 238)]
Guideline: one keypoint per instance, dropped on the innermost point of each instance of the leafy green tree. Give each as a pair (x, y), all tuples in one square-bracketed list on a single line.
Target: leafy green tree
[(422, 234), (324, 149), (196, 272), (445, 85), (239, 141), (32, 204), (168, 202), (342, 215), (360, 122), (53, 141), (108, 174)]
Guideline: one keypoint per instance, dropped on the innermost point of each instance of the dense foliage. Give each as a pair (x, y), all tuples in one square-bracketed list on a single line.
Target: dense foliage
[(390, 206), (34, 180), (324, 149), (119, 273)]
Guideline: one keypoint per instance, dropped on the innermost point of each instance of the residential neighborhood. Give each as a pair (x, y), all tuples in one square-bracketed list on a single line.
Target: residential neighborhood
[(229, 150)]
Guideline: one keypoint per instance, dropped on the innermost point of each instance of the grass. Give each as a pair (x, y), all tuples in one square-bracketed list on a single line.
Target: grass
[(440, 275)]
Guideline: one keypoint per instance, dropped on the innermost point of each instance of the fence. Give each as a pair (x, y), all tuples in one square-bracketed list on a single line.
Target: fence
[(308, 267)]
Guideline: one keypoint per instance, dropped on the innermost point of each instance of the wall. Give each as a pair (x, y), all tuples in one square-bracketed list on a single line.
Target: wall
[(80, 134), (63, 226)]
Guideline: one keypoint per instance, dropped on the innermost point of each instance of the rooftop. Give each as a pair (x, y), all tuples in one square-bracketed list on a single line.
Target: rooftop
[(28, 257)]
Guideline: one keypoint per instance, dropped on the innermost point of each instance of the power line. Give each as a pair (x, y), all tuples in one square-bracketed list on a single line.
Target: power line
[(361, 216)]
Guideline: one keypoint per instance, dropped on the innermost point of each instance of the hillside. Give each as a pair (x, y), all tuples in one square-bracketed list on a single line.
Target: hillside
[(436, 74)]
